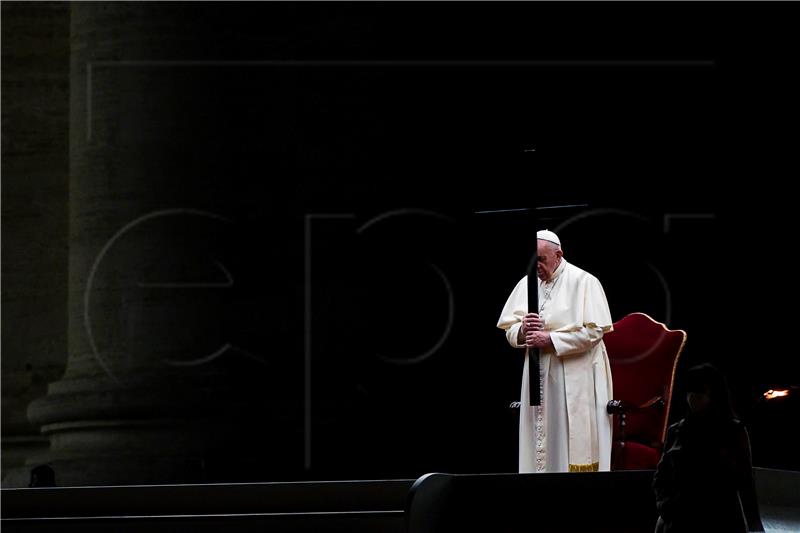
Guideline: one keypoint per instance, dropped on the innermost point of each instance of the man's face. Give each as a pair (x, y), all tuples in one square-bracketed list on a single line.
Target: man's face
[(549, 257)]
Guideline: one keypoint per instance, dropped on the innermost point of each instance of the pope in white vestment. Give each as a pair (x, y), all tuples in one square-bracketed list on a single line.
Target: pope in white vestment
[(570, 431)]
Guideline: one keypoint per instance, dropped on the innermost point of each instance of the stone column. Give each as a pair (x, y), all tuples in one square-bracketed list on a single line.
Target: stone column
[(155, 389), (35, 222)]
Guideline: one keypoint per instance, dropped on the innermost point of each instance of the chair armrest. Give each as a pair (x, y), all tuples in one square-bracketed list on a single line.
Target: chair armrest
[(621, 407)]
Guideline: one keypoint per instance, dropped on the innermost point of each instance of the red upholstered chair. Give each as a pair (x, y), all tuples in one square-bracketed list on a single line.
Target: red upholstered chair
[(643, 355)]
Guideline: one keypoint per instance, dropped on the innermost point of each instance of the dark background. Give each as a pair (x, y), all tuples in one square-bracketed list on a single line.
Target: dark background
[(674, 122)]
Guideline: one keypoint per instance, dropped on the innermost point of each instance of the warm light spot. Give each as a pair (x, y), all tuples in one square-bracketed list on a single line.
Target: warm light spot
[(772, 394)]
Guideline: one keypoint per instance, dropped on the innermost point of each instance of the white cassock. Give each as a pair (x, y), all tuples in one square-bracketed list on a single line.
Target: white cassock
[(570, 431)]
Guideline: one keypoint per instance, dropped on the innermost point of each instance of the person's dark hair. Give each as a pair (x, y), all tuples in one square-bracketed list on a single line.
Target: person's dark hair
[(708, 378)]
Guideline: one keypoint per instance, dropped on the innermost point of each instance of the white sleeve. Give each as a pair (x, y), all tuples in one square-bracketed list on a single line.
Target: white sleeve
[(513, 313), (576, 341), (512, 335)]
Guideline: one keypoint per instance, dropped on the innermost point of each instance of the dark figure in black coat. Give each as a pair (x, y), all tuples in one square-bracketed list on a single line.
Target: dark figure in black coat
[(704, 481)]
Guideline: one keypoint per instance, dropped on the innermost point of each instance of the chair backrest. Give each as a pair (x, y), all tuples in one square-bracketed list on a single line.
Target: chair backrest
[(644, 354)]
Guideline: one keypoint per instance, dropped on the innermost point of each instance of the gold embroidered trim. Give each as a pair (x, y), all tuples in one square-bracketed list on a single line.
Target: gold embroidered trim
[(594, 467)]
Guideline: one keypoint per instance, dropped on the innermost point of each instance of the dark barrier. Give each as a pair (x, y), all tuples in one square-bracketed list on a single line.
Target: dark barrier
[(618, 502)]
